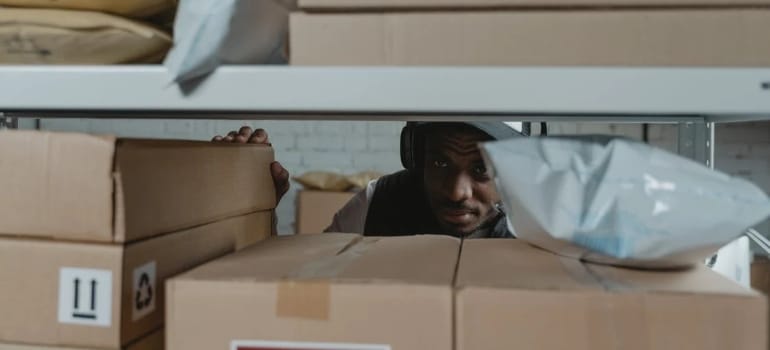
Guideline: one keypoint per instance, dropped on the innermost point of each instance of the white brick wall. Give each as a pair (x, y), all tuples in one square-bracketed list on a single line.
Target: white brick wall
[(743, 149)]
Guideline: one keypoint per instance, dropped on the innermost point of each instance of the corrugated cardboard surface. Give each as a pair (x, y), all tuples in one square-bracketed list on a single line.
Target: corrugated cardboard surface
[(760, 278), (56, 184), (760, 274), (715, 37), (390, 5), (513, 295), (316, 209), (29, 296), (153, 341), (92, 188), (320, 288)]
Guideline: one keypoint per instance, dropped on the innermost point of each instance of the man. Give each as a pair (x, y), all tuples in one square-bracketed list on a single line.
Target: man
[(444, 189)]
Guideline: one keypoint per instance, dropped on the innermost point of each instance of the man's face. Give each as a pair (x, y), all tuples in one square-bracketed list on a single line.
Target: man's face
[(459, 190)]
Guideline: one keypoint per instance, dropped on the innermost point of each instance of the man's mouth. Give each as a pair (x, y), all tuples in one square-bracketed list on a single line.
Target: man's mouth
[(459, 217)]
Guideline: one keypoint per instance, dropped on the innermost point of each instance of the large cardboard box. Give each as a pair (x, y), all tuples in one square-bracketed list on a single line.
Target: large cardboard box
[(316, 209), (104, 295), (98, 188), (680, 37), (314, 290), (512, 295), (153, 341), (432, 5)]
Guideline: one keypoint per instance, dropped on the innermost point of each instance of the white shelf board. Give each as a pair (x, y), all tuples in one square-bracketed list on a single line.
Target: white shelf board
[(391, 93)]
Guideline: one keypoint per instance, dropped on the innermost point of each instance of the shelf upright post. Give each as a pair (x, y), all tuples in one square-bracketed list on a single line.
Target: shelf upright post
[(696, 141)]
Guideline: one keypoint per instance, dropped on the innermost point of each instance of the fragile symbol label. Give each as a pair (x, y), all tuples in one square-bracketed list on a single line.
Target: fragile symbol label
[(144, 291), (291, 345), (85, 296)]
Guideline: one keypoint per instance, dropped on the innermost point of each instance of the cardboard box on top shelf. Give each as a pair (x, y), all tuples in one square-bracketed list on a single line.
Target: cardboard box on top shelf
[(513, 295), (105, 296), (638, 37), (316, 209), (81, 187), (319, 291), (152, 341)]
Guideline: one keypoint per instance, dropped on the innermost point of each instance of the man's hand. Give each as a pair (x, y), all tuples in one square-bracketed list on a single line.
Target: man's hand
[(259, 136)]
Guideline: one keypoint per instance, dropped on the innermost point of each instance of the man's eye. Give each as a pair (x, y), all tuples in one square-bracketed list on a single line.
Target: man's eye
[(440, 164), (480, 170)]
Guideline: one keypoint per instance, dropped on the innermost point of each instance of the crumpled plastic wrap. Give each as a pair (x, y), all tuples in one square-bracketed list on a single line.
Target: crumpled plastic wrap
[(210, 33), (621, 202)]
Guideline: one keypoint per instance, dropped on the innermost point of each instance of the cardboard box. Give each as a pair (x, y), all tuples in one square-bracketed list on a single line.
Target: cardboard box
[(98, 188), (760, 274), (104, 295), (512, 295), (708, 37), (389, 293), (153, 341), (432, 5), (316, 209)]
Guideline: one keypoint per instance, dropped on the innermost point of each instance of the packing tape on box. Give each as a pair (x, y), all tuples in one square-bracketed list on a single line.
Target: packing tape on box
[(307, 293), (303, 299)]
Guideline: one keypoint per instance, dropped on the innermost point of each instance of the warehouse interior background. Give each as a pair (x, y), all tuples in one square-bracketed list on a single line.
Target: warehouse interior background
[(742, 149)]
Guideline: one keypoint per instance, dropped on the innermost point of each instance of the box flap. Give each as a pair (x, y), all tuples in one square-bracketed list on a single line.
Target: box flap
[(172, 185), (341, 258), (515, 264), (56, 185)]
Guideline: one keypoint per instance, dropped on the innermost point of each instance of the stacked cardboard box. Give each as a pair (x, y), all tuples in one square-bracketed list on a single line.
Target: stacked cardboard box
[(531, 32), (342, 291), (91, 227), (316, 209)]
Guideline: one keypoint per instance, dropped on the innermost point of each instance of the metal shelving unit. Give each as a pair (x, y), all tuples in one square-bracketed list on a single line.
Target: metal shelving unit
[(443, 93), (693, 98)]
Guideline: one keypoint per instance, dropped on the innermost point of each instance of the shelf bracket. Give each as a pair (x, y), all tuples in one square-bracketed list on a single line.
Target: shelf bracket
[(8, 122), (696, 141)]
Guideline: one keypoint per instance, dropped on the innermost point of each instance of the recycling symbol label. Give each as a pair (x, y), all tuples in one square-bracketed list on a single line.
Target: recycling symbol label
[(144, 291)]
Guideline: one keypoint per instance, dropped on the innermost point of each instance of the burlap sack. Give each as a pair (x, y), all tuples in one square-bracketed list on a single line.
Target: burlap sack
[(42, 36), (131, 8)]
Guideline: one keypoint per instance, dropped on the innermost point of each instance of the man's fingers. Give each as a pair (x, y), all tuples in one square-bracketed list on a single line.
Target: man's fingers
[(259, 136), (241, 139), (245, 131), (228, 138), (217, 138), (280, 179)]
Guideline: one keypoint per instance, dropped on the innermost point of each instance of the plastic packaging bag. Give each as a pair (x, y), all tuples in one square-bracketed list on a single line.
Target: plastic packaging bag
[(209, 33), (619, 201)]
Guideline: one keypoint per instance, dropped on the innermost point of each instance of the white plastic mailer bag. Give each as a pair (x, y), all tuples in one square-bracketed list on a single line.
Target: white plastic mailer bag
[(618, 201), (210, 33)]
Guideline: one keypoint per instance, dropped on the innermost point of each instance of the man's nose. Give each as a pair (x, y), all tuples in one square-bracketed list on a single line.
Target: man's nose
[(459, 188)]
